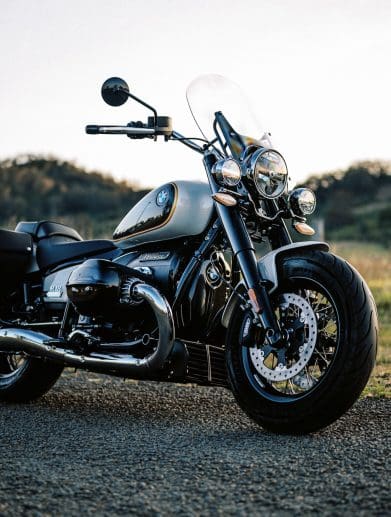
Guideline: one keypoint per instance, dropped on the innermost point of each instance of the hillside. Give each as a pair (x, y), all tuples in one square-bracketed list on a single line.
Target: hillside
[(33, 188), (355, 204)]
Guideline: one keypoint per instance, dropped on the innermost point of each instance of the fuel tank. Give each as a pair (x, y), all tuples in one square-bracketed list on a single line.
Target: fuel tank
[(177, 209)]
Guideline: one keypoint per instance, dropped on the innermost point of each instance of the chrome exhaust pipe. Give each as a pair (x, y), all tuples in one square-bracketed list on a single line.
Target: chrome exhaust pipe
[(41, 345)]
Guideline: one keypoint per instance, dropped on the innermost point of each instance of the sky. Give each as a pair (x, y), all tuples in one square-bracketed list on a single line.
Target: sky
[(317, 73)]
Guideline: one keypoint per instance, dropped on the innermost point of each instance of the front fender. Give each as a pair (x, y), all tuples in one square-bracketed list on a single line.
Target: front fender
[(267, 267)]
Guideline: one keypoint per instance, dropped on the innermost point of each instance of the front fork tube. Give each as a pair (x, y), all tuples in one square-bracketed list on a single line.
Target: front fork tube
[(244, 252)]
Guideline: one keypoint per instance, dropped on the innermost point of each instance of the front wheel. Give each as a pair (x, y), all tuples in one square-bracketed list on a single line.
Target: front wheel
[(329, 320)]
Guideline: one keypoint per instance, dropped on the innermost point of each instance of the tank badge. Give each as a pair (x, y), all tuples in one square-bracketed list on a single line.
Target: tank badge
[(162, 197)]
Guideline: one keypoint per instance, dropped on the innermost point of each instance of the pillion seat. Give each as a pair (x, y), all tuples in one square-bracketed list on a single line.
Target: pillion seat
[(44, 229), (58, 243)]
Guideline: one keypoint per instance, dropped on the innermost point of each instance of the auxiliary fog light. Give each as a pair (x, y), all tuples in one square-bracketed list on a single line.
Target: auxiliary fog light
[(302, 201)]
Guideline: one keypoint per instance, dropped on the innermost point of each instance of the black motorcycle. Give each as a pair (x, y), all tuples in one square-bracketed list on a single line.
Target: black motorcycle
[(179, 294)]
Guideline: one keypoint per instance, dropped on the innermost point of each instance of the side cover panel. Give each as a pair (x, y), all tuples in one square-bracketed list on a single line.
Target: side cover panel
[(15, 253)]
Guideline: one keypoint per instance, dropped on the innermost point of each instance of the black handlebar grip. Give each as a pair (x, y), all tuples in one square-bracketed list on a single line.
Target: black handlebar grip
[(92, 129)]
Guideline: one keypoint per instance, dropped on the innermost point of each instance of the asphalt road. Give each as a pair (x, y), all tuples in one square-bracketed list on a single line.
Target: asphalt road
[(95, 445)]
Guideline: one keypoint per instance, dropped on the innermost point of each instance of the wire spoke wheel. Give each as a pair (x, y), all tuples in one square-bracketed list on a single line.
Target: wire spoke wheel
[(11, 364), (309, 319), (326, 353)]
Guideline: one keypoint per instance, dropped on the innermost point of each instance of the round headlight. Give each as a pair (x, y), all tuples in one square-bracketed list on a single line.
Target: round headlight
[(227, 172), (269, 172), (302, 201)]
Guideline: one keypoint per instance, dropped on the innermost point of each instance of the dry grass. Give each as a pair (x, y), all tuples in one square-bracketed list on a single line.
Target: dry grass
[(374, 264)]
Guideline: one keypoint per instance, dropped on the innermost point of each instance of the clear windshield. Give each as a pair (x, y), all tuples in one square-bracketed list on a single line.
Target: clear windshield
[(210, 93)]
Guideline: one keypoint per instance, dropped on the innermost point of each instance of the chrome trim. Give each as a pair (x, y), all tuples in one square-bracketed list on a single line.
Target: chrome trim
[(145, 270), (250, 171), (294, 202), (41, 345), (218, 172), (209, 363), (125, 130)]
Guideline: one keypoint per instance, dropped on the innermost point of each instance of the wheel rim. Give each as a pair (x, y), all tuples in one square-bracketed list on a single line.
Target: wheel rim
[(11, 364), (314, 369)]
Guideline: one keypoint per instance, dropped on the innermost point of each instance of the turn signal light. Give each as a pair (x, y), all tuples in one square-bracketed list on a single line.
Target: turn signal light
[(224, 199), (303, 228)]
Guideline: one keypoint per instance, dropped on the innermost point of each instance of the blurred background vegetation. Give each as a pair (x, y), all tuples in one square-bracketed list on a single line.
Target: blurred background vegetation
[(35, 188), (353, 213)]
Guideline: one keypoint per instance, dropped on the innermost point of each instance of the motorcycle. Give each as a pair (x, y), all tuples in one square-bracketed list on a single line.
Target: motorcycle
[(179, 295)]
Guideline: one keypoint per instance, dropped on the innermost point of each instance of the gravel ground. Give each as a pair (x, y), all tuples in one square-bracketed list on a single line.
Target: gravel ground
[(95, 445)]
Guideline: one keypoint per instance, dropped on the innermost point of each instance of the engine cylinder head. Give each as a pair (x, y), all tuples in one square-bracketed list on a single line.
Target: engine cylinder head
[(103, 289)]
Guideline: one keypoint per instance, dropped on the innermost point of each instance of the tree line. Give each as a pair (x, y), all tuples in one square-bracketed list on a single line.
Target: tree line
[(36, 188), (355, 203)]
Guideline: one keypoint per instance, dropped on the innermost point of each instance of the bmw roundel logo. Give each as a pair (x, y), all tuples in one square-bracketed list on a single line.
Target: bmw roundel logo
[(162, 197)]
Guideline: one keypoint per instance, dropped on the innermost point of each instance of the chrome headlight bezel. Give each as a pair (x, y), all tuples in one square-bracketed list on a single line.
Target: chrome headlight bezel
[(302, 201), (227, 172), (279, 178)]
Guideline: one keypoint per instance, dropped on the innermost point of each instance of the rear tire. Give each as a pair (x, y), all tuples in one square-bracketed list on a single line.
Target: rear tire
[(28, 380), (344, 377)]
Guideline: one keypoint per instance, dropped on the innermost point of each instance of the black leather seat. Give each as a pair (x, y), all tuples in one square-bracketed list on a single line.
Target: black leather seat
[(58, 243), (54, 251), (44, 229)]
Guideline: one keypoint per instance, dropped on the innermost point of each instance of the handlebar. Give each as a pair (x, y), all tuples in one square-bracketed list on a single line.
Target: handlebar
[(93, 129), (140, 130)]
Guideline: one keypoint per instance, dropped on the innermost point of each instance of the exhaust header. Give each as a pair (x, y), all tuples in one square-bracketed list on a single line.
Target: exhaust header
[(43, 346)]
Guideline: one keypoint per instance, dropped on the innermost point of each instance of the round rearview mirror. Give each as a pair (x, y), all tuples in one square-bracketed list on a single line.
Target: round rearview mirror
[(115, 91)]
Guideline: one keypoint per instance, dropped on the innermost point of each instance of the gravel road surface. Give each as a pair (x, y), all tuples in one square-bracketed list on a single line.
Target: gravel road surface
[(95, 445)]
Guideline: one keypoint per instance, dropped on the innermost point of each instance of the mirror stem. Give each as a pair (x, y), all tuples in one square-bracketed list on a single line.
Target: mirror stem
[(147, 106)]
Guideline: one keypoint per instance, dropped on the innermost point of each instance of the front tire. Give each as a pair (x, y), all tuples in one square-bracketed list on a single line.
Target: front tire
[(305, 406)]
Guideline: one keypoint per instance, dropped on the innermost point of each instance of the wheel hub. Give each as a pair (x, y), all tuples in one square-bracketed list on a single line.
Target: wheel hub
[(298, 319)]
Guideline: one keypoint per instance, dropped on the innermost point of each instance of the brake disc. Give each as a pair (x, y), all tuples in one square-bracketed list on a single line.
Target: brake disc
[(303, 312)]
